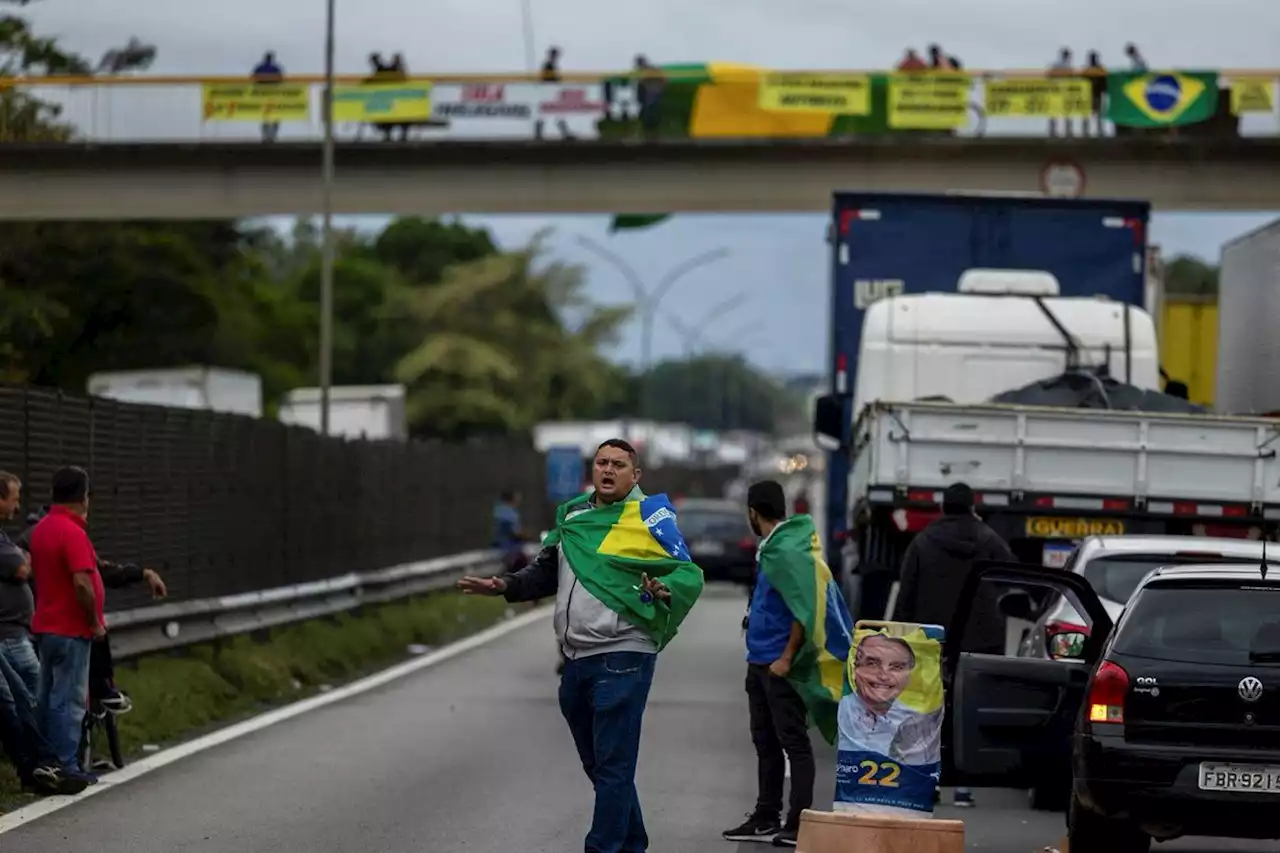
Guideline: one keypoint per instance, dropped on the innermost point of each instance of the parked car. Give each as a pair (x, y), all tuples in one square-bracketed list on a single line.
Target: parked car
[(1171, 720), (719, 538), (1113, 566)]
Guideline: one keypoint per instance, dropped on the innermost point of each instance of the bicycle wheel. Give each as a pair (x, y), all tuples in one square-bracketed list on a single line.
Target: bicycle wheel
[(113, 740)]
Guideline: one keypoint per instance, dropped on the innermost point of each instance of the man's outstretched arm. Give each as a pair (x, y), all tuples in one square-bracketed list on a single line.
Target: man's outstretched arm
[(539, 579)]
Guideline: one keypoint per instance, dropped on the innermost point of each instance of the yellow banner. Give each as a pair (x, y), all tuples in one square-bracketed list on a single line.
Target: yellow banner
[(1253, 95), (841, 94), (256, 102), (383, 103), (1041, 98), (928, 101)]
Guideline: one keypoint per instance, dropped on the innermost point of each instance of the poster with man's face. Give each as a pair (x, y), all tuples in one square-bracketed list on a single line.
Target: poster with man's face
[(890, 720)]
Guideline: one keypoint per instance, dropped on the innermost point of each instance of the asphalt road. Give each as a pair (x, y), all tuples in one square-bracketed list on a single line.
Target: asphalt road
[(472, 755)]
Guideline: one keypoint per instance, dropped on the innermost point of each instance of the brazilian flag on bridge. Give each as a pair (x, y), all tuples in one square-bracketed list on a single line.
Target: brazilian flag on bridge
[(1162, 98), (791, 559), (610, 546), (707, 100)]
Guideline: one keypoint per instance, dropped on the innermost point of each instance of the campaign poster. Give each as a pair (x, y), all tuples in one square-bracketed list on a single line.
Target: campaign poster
[(889, 746)]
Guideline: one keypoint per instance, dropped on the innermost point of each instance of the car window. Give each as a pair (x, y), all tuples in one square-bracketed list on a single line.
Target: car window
[(695, 524), (1203, 622), (1117, 576)]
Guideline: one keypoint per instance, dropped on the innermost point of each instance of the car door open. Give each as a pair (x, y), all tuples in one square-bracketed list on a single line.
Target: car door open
[(1012, 717)]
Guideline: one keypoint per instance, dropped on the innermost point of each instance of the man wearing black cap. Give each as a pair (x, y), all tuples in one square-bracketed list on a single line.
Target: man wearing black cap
[(934, 570)]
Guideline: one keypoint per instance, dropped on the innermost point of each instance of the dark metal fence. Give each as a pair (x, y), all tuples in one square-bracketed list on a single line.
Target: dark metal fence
[(225, 504)]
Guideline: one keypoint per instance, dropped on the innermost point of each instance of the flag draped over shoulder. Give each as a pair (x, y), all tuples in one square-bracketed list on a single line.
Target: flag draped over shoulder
[(610, 546), (791, 558)]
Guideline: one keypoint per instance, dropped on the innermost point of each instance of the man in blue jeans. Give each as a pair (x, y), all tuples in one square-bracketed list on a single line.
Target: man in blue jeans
[(610, 661), (68, 617)]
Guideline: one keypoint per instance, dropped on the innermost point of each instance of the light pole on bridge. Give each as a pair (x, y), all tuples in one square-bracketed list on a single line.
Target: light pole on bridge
[(326, 251)]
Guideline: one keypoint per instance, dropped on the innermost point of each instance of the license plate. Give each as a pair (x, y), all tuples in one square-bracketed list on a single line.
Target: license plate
[(1055, 554), (1240, 778), (1057, 527), (709, 547)]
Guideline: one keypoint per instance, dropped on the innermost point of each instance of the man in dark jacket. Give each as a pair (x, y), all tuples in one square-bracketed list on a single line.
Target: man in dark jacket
[(934, 570)]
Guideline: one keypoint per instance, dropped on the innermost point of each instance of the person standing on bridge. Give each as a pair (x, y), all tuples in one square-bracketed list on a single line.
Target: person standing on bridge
[(623, 583), (267, 73)]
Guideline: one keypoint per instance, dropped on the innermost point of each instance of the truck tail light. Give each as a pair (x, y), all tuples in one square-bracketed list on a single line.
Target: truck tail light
[(1065, 639), (1106, 697)]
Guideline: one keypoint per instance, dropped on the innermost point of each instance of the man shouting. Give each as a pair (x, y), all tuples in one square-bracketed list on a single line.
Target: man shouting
[(623, 582)]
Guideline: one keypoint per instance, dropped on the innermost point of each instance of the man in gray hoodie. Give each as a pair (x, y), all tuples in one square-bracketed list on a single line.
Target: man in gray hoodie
[(609, 662)]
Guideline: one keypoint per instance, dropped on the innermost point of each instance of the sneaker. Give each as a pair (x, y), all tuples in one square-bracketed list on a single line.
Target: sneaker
[(962, 800), (53, 780), (787, 838), (756, 828), (117, 702), (82, 775)]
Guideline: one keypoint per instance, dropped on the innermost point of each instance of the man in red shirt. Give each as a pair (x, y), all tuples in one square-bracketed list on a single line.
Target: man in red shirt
[(68, 616)]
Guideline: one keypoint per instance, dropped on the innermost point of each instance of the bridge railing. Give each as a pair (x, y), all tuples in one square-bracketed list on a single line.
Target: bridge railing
[(706, 101)]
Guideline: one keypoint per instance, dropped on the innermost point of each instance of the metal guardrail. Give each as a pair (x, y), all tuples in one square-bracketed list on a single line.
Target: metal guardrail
[(168, 626)]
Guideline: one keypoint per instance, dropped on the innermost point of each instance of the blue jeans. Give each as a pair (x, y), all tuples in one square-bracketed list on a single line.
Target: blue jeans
[(19, 733), (602, 698), (20, 652), (64, 685)]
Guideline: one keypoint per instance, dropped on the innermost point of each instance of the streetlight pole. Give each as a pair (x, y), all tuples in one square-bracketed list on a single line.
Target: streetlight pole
[(526, 12), (326, 259), (649, 300), (693, 336)]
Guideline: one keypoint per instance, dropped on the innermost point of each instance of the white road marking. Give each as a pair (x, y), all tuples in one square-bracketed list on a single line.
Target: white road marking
[(49, 805), (787, 774)]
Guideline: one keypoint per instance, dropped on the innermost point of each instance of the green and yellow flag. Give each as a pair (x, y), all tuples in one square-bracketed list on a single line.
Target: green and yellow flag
[(1161, 99), (791, 559), (611, 545)]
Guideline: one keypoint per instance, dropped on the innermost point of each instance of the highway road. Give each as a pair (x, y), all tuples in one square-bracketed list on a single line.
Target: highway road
[(472, 755)]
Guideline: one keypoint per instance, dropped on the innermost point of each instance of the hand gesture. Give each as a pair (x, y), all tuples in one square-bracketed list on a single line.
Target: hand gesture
[(482, 586), (99, 631), (780, 668), (655, 587), (153, 579)]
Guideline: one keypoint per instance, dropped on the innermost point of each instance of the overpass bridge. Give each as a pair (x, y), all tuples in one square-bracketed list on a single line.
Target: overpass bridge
[(193, 180)]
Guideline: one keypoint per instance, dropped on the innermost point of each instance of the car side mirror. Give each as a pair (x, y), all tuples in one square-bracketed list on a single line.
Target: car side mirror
[(1017, 605), (829, 428)]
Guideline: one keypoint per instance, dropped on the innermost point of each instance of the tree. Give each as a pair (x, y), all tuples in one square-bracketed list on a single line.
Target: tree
[(1186, 275), (510, 341), (718, 392)]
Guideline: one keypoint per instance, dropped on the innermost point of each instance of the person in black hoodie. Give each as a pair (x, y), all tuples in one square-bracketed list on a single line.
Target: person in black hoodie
[(934, 570)]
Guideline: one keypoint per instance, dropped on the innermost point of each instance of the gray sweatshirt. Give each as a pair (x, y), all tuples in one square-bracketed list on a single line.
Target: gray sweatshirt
[(17, 605), (584, 624)]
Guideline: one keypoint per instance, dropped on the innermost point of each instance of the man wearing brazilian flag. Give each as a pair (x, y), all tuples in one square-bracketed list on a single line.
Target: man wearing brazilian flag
[(798, 636), (623, 582)]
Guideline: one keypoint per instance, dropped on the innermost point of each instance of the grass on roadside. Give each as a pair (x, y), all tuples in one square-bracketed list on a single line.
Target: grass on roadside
[(183, 693)]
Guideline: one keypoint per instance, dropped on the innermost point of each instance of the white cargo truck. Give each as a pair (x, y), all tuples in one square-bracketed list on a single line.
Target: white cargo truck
[(216, 389), (1248, 322), (1044, 476), (355, 411)]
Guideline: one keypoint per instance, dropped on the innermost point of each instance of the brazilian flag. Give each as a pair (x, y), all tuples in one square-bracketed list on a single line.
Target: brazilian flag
[(791, 559), (1161, 99), (609, 546)]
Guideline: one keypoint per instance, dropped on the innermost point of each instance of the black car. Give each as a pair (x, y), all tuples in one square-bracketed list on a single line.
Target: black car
[(719, 538), (1168, 723)]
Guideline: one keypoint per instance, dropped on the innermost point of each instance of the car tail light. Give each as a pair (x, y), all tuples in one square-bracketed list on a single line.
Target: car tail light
[(1106, 697), (1065, 639), (747, 543)]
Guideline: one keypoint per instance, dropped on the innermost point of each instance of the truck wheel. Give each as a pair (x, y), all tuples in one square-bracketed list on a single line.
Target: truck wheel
[(1087, 830)]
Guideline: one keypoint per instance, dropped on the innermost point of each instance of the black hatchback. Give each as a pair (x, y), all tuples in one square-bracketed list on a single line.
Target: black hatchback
[(719, 538), (1168, 723)]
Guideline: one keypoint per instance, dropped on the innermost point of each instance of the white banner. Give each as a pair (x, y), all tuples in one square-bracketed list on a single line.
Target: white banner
[(514, 109)]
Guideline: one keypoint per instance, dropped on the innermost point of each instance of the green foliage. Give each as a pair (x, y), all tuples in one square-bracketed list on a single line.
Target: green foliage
[(718, 392), (1186, 275)]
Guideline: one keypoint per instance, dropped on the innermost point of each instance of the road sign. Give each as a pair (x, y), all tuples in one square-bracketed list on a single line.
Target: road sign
[(564, 472)]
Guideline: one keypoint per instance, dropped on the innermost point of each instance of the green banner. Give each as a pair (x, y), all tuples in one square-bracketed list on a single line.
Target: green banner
[(1161, 98)]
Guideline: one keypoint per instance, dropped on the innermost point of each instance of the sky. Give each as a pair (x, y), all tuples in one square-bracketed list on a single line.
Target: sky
[(776, 266)]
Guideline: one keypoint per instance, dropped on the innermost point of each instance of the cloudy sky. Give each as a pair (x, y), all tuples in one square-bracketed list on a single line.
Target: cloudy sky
[(777, 264)]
